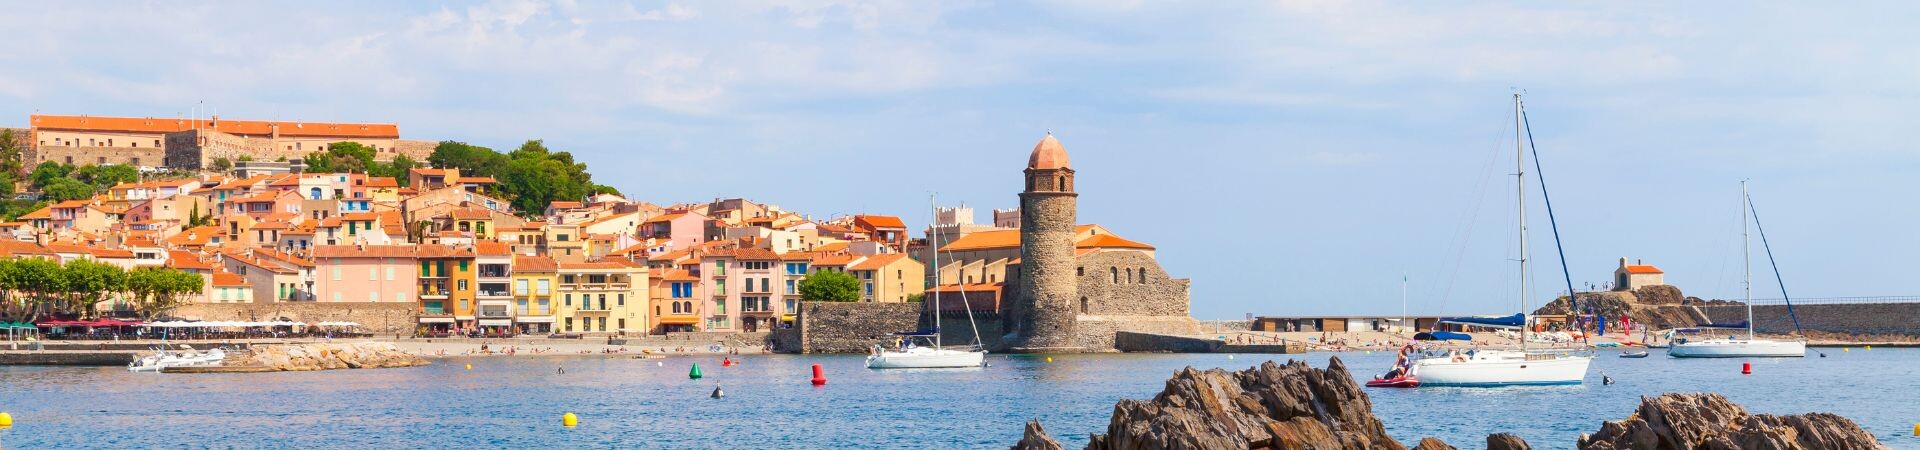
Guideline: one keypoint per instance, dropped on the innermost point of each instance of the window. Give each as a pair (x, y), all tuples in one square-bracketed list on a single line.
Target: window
[(623, 324), (389, 273), (1129, 275), (1143, 275), (373, 274), (567, 300), (462, 284), (603, 324), (620, 299), (373, 296), (1116, 274), (336, 296), (562, 237), (544, 287), (603, 301), (1083, 305), (336, 274), (1080, 271), (790, 287), (568, 279), (569, 324), (520, 287), (523, 306), (463, 266)]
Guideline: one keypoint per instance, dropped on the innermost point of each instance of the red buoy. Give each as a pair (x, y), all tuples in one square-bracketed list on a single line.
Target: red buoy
[(819, 376), (727, 362), (1746, 368)]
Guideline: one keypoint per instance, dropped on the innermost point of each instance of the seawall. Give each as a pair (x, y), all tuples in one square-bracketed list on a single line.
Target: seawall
[(1852, 318), (377, 318)]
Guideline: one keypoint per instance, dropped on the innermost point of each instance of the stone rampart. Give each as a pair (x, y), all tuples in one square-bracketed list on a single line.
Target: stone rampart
[(835, 327), (84, 155), (377, 318), (1855, 318)]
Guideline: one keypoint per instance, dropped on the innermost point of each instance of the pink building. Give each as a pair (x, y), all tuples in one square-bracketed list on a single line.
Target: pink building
[(679, 230), (365, 273)]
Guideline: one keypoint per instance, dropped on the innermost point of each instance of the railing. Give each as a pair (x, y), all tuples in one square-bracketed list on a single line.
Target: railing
[(487, 293), (495, 314), (1838, 300)]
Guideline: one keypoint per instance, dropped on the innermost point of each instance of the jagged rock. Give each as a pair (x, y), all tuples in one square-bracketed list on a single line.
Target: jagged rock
[(1506, 441), (1270, 406), (1036, 439), (1709, 421), (325, 356), (1432, 444)]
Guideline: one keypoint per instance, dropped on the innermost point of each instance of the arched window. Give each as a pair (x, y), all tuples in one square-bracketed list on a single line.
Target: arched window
[(1062, 185), (1143, 275), (1129, 274), (1080, 271), (1116, 274), (315, 192)]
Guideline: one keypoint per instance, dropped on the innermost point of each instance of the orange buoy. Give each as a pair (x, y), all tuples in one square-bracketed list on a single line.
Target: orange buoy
[(1746, 368), (727, 362), (819, 376)]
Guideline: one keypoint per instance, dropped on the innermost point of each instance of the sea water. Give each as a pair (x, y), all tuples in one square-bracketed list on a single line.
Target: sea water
[(517, 402)]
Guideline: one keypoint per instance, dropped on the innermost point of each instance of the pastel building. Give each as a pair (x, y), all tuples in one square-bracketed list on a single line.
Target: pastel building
[(602, 297), (534, 282), (366, 273)]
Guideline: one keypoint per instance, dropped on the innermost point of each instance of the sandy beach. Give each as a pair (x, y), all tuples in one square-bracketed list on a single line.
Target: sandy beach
[(456, 347)]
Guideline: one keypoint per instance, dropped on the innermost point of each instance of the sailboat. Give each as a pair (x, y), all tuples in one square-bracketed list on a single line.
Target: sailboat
[(1732, 346), (1526, 366), (910, 354)]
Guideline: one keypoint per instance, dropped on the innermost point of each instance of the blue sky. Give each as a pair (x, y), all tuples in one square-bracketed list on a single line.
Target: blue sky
[(1291, 158)]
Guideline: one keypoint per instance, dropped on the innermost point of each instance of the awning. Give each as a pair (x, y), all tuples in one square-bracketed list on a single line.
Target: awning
[(1441, 336), (787, 317), (496, 322), (436, 320), (1514, 321), (682, 320), (534, 319)]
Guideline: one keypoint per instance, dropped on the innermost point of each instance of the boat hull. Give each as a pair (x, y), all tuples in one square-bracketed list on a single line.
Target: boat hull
[(1731, 348), (925, 358), (1502, 368), (1396, 382)]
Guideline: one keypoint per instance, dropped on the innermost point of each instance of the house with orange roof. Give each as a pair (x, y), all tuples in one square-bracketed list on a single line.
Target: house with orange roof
[(272, 280), (889, 278), (223, 287), (446, 288), (1637, 275), (383, 189), (680, 230), (493, 296), (426, 178), (602, 297), (262, 203), (39, 219), (534, 287), (365, 273), (888, 229), (674, 300), (196, 238), (86, 216)]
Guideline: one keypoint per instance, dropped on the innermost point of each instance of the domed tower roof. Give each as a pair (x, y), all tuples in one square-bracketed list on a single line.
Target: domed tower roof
[(1048, 154)]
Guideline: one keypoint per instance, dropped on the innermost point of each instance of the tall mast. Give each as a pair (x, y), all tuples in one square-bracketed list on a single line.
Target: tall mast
[(1746, 259), (1520, 191), (933, 241)]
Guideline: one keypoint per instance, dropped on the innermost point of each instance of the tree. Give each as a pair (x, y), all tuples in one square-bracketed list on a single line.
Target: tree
[(47, 172), (397, 169), (830, 286), (470, 159), (87, 283), (6, 184), (106, 176), (157, 291), (195, 219), (67, 189), (11, 151), (222, 164), (35, 277)]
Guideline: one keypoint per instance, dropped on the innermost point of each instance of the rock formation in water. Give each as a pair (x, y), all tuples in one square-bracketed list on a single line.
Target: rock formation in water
[(1709, 421), (1270, 406), (1036, 439), (300, 357), (1293, 406)]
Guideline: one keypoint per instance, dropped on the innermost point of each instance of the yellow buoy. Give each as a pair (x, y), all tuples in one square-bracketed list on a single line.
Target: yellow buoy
[(469, 367), (1916, 427), (6, 420), (1869, 347), (1846, 350), (1049, 359), (569, 420)]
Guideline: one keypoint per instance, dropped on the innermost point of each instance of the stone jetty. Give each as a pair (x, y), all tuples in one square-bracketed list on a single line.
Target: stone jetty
[(1294, 406), (323, 356)]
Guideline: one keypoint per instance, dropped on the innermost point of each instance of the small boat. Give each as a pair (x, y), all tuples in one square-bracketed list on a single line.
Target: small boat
[(1633, 354), (907, 354), (163, 359), (1404, 381), (1733, 346)]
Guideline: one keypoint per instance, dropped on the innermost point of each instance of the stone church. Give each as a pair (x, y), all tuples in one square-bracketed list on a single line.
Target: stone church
[(1073, 287)]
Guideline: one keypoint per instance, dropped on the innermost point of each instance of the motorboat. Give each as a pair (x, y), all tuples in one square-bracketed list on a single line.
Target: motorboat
[(1404, 381), (1634, 354), (163, 359)]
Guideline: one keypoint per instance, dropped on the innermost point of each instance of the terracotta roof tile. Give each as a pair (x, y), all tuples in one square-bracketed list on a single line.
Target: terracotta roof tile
[(243, 127), (534, 264)]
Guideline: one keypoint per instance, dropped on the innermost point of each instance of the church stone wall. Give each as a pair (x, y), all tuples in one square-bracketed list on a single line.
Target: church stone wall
[(1044, 317)]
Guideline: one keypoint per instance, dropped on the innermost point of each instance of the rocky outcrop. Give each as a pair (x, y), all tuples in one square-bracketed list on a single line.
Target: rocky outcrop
[(1036, 438), (1660, 306), (1292, 406), (1506, 441), (1709, 421), (326, 356), (1270, 406)]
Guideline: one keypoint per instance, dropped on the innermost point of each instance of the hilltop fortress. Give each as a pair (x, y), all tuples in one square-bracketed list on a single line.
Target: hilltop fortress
[(196, 143)]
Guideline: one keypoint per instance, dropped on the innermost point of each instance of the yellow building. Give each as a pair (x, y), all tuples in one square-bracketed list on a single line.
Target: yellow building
[(889, 278), (534, 281), (602, 297)]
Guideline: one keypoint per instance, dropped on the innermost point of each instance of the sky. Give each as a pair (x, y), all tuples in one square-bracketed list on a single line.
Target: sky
[(1291, 158)]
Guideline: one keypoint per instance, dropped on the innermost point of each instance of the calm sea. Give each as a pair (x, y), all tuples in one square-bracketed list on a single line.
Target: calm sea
[(628, 403)]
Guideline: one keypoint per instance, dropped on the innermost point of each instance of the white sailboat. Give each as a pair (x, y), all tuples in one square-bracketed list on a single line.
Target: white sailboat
[(1731, 346), (911, 355), (1526, 366)]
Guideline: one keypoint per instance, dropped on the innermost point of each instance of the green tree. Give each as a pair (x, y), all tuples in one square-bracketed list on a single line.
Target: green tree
[(106, 176), (470, 159), (830, 286), (397, 169), (87, 283), (6, 184), (342, 157), (157, 291), (67, 189), (11, 151), (222, 164), (36, 278), (45, 173)]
